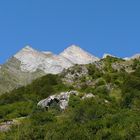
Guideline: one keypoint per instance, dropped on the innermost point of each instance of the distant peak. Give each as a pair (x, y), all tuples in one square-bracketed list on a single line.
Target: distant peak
[(78, 56), (28, 48), (25, 52), (73, 47)]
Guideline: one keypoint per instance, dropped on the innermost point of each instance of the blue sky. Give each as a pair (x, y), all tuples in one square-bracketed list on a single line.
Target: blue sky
[(98, 26)]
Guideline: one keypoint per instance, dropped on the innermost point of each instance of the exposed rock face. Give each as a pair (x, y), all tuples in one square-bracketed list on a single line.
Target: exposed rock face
[(78, 56), (31, 60), (62, 99), (74, 73)]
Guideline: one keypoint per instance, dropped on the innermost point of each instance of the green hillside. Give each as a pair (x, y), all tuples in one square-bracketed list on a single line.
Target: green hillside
[(12, 77), (113, 114)]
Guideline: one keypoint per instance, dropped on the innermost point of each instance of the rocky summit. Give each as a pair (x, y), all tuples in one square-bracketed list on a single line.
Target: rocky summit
[(78, 56), (31, 59)]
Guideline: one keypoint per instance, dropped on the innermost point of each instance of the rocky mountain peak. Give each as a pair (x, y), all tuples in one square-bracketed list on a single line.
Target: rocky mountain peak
[(29, 58), (72, 48), (27, 49), (77, 55), (32, 60)]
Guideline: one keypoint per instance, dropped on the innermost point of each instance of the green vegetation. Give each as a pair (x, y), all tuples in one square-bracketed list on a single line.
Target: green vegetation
[(113, 114), (12, 77)]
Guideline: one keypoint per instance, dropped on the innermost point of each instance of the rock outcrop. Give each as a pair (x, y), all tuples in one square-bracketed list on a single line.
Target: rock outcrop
[(62, 99)]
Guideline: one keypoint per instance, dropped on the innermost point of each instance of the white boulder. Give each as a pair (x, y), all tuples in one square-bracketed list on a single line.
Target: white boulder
[(89, 95), (62, 99)]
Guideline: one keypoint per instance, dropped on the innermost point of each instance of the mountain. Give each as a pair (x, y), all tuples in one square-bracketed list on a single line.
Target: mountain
[(29, 64), (78, 56), (32, 60)]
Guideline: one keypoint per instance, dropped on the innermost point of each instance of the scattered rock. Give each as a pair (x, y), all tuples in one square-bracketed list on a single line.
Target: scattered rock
[(6, 125), (90, 95), (106, 101), (62, 99)]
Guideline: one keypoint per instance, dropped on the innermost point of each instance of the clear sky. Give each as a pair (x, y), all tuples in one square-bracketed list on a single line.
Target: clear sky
[(98, 26)]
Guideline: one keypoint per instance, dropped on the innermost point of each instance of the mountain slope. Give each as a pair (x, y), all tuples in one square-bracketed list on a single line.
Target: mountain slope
[(29, 64), (115, 105), (12, 77)]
